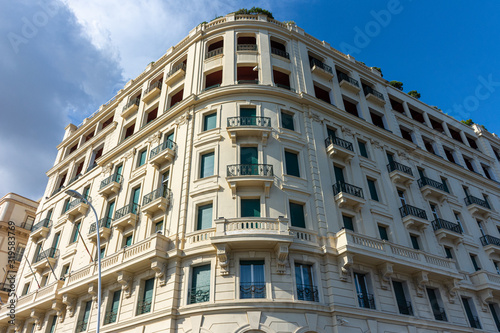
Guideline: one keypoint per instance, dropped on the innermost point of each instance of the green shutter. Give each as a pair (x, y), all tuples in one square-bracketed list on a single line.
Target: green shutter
[(287, 121), (297, 218), (119, 170), (204, 217), (207, 165), (86, 314), (209, 121), (400, 294), (362, 149), (383, 233), (56, 240), (111, 209), (148, 290), (250, 207), (292, 164), (348, 223), (249, 155), (339, 174), (373, 189), (169, 136), (136, 195), (53, 325), (142, 157), (75, 232)]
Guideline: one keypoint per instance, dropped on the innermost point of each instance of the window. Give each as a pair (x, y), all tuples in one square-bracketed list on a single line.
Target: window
[(406, 134), (350, 106), (339, 174), (297, 218), (65, 271), (292, 163), (417, 115), (107, 122), (472, 142), (449, 155), (213, 79), (152, 115), (127, 240), (306, 289), (20, 251), (377, 119), (362, 149), (158, 227), (209, 121), (322, 94), (365, 299), (435, 300), (144, 304), (287, 121), (415, 242), (458, 220), (250, 207), (73, 148), (53, 324), (470, 311), (475, 264), (216, 46), (97, 153), (81, 326), (383, 232), (246, 75), (177, 97), (495, 314), (200, 285), (497, 266), (348, 223), (101, 252), (76, 230), (204, 217), (444, 181), (436, 124), (55, 242), (129, 131), (429, 146), (252, 280), (397, 106), (373, 189), (434, 211), (486, 170), (281, 79), (468, 163), (45, 279), (110, 316), (142, 157), (448, 252), (26, 288), (89, 136), (207, 165), (404, 305)]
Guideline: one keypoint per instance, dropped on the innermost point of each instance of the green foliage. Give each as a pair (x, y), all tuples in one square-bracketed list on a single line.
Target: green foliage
[(414, 94), (382, 75), (289, 22), (397, 84), (467, 122), (253, 11)]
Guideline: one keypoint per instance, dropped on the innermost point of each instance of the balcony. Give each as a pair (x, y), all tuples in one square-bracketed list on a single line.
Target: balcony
[(199, 295), (126, 216), (307, 293), (110, 317), (156, 201), (400, 173), (321, 69), (366, 300), (131, 107), (348, 83), (280, 53), (251, 81), (176, 73), (40, 229), (246, 47), (487, 282), (144, 306), (336, 147), (41, 299), (478, 206), (110, 185), (433, 189), (162, 153), (373, 96), (75, 208), (491, 245), (447, 230), (252, 290), (213, 53), (413, 217), (45, 259), (250, 175), (152, 91), (259, 127), (81, 325), (104, 229), (347, 195)]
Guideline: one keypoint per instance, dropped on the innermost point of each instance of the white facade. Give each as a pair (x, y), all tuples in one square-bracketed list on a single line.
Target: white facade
[(293, 239)]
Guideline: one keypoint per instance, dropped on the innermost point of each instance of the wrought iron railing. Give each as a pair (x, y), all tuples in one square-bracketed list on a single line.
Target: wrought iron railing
[(284, 86), (19, 256), (212, 87), (439, 314), (280, 53), (74, 179), (75, 203), (158, 149), (110, 317), (57, 190), (132, 102), (43, 223), (246, 47), (5, 287), (176, 69), (472, 200), (255, 81), (345, 77), (152, 87), (250, 170), (474, 322), (323, 66), (369, 90), (443, 224), (27, 225), (113, 178), (252, 290), (338, 142), (161, 192), (199, 294), (366, 301), (213, 53), (249, 121), (406, 210), (49, 253), (395, 166), (490, 240), (131, 208), (105, 222), (81, 325), (344, 187), (307, 293), (144, 306), (406, 309), (424, 181)]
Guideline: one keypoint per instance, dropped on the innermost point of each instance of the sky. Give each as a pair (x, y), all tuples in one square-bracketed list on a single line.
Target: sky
[(61, 59)]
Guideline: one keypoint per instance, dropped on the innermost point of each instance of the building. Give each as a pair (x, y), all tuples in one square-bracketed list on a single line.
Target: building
[(17, 215), (254, 179)]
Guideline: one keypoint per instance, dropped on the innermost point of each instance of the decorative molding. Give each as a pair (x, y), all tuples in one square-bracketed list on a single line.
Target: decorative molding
[(38, 316), (485, 296), (386, 271), (223, 258), (125, 279), (421, 280), (281, 258), (93, 291), (159, 266), (70, 304), (452, 287), (58, 307), (345, 262)]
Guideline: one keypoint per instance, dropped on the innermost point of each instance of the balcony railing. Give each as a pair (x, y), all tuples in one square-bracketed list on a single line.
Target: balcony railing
[(265, 170), (249, 121), (474, 322), (74, 179), (255, 81), (213, 53), (413, 211), (490, 240), (131, 208), (280, 53), (307, 293), (43, 223), (113, 178), (74, 203), (161, 192), (158, 149), (284, 86), (199, 295), (471, 200), (338, 142), (424, 181), (105, 222), (252, 290), (110, 317), (81, 325), (345, 77), (406, 309), (57, 190), (176, 69), (27, 225), (153, 86), (366, 301), (49, 253), (439, 314), (369, 90), (443, 224), (144, 306), (212, 87), (19, 256), (395, 166), (246, 47), (323, 66), (132, 102), (5, 287), (344, 187)]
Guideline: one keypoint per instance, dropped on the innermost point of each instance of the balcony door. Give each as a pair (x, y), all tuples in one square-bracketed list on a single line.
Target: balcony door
[(249, 158), (250, 207), (248, 116), (252, 278), (339, 174)]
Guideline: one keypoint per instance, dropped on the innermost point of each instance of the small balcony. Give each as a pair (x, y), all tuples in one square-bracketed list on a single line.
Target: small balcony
[(347, 195), (176, 73), (433, 189), (110, 317), (75, 208), (259, 127), (400, 173), (252, 290), (152, 91), (373, 96), (483, 280), (478, 206), (110, 185), (249, 81), (213, 53), (162, 153), (413, 217), (81, 325), (126, 216), (45, 259), (336, 147), (104, 229), (250, 175), (199, 295), (366, 300), (156, 201), (491, 245), (280, 53), (406, 309), (246, 47), (40, 229), (447, 230), (144, 306), (307, 293), (321, 69), (131, 107), (348, 83)]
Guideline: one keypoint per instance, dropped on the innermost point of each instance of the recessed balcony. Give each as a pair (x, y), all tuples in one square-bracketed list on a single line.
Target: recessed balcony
[(259, 127), (491, 245), (250, 175), (478, 206), (373, 96), (156, 201), (433, 189), (40, 229), (104, 229), (400, 173), (152, 91), (247, 47), (162, 153), (280, 53), (447, 230), (126, 216), (216, 52), (75, 208), (413, 217), (45, 259), (110, 185), (484, 280), (131, 107), (347, 195), (336, 147), (176, 73), (348, 83), (321, 69)]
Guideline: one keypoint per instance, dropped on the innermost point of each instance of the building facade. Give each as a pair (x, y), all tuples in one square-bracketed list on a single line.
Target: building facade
[(254, 179)]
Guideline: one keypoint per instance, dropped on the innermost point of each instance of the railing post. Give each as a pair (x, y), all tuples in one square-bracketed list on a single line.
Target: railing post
[(220, 226)]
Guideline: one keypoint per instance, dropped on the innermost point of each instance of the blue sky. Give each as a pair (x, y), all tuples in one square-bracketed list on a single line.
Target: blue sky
[(62, 59)]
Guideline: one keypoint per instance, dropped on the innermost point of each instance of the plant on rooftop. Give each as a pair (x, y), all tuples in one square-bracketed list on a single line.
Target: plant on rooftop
[(470, 122), (414, 94), (253, 11), (397, 84)]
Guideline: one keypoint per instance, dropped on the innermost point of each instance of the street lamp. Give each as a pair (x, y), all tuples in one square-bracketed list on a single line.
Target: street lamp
[(77, 195)]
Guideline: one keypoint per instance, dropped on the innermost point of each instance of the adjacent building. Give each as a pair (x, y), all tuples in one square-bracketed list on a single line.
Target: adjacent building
[(254, 179)]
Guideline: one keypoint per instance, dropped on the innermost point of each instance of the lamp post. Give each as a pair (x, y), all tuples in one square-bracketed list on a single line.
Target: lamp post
[(77, 195)]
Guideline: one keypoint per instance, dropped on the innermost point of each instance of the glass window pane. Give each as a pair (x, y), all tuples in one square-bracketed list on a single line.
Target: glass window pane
[(292, 164), (373, 190), (204, 217), (207, 165), (348, 223), (210, 121), (250, 207), (297, 218), (362, 149), (287, 121)]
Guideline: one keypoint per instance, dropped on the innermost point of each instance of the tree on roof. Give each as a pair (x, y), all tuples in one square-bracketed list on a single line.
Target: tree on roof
[(253, 11)]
